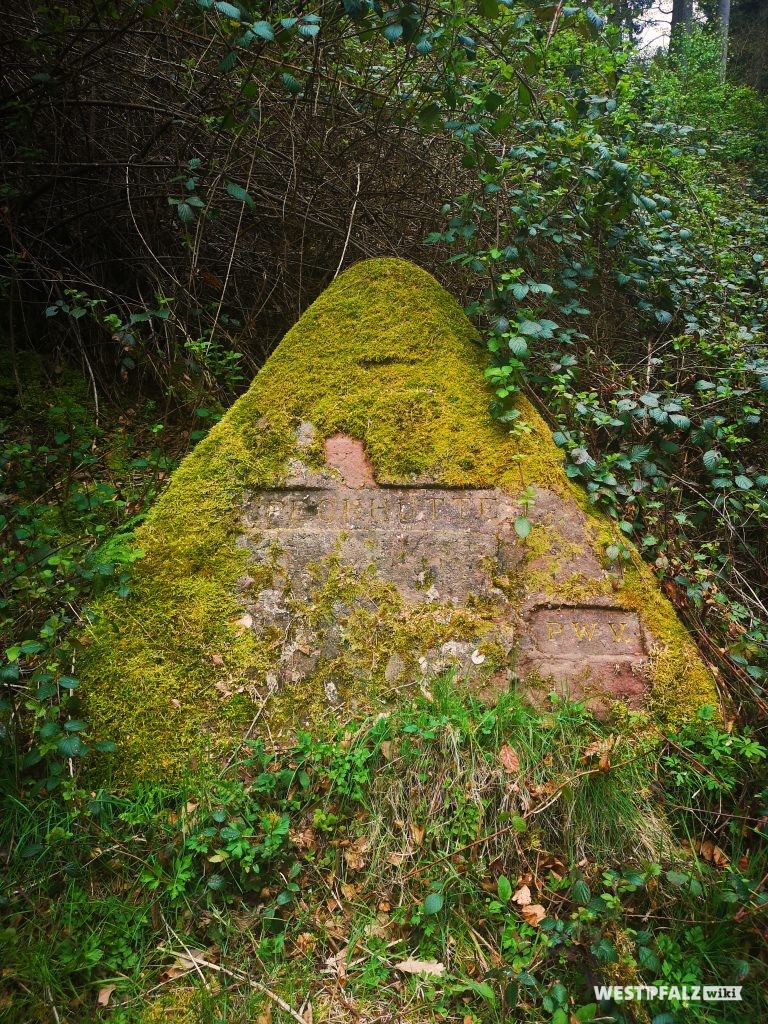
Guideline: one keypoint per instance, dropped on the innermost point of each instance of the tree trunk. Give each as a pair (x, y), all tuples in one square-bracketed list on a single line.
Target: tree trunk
[(724, 17), (680, 16)]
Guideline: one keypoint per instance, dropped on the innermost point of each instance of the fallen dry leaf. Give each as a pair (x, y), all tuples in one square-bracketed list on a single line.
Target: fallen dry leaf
[(522, 897), (104, 993), (510, 762), (304, 839), (534, 913), (711, 853), (431, 967), (354, 854), (417, 834)]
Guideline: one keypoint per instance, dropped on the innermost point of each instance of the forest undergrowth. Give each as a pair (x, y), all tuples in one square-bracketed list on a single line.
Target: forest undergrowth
[(179, 181)]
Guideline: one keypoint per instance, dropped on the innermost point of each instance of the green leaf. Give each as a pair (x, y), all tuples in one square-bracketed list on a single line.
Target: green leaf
[(587, 1013), (743, 483), (393, 32), (518, 346), (185, 213), (676, 878), (228, 62), (239, 193), (74, 725), (580, 892), (290, 83), (69, 683), (711, 459), (679, 420), (263, 30), (504, 889), (522, 527), (228, 10), (648, 959), (70, 746), (429, 116), (433, 904), (308, 31)]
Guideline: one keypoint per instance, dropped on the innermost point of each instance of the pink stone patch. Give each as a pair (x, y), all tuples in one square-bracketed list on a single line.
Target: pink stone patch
[(348, 456)]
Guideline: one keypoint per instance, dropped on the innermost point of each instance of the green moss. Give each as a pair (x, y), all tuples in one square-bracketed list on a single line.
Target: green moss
[(180, 1006), (384, 355)]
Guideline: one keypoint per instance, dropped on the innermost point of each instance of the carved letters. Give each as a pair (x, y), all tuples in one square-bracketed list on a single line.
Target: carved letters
[(417, 507), (587, 632)]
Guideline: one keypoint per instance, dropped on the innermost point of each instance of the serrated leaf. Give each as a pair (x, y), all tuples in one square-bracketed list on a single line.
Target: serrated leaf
[(238, 192), (263, 30), (308, 31), (743, 482), (518, 346), (70, 746), (228, 10), (290, 83), (185, 213), (580, 892), (711, 459), (680, 420)]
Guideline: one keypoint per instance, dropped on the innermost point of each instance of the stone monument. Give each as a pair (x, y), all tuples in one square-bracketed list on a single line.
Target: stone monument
[(348, 530)]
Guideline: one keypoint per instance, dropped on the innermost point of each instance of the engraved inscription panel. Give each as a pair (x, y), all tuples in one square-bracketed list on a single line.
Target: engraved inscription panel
[(435, 544), (587, 633)]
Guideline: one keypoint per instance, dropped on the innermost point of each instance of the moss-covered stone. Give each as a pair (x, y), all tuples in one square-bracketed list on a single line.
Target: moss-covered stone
[(385, 356)]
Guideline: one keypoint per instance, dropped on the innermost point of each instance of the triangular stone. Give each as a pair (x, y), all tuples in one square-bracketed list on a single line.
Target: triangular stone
[(348, 528)]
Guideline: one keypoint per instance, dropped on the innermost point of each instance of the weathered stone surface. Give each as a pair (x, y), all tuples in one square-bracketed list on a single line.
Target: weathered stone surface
[(347, 529), (442, 546)]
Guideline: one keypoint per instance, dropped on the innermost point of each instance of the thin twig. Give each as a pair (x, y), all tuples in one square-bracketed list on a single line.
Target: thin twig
[(245, 980), (349, 229)]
